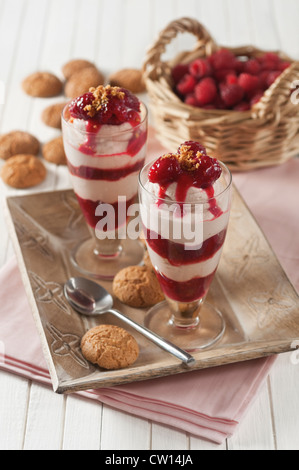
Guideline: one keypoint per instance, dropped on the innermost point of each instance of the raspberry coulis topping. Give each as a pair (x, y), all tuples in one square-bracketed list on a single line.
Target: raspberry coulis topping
[(189, 167), (106, 105)]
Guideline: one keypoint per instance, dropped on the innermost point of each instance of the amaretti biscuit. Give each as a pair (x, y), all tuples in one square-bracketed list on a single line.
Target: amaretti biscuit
[(131, 79), (80, 82), (51, 115), (42, 85), (18, 142), (23, 171), (137, 286), (75, 65), (53, 151), (110, 347)]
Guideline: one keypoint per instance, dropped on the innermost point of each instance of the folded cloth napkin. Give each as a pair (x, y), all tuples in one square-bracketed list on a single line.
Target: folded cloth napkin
[(208, 403)]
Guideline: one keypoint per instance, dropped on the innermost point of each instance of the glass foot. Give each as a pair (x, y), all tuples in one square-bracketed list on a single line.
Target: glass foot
[(85, 259), (208, 330)]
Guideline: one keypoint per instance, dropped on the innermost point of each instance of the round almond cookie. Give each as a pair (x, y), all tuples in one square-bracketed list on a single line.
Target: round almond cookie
[(110, 347), (80, 82), (23, 171), (131, 79), (53, 151), (18, 142), (74, 65), (42, 85), (51, 115), (137, 286)]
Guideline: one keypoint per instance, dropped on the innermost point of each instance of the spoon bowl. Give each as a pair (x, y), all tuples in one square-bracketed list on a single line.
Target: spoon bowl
[(90, 298)]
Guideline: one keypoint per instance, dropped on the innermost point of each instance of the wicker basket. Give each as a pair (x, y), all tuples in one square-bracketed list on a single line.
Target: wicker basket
[(266, 135)]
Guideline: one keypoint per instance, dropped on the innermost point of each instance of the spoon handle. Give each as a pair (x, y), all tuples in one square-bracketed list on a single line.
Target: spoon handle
[(162, 343)]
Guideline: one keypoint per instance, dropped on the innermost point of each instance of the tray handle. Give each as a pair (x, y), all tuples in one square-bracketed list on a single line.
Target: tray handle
[(183, 25)]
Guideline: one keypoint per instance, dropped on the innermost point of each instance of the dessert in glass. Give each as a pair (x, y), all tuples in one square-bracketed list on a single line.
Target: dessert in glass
[(105, 135), (185, 202)]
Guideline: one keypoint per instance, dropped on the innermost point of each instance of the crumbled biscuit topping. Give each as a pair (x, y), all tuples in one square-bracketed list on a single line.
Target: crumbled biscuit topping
[(186, 158), (102, 95)]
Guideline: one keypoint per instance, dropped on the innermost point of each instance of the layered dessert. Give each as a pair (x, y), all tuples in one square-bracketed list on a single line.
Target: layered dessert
[(178, 187), (105, 133)]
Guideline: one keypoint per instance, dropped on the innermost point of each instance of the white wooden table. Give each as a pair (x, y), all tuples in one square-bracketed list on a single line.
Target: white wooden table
[(44, 34)]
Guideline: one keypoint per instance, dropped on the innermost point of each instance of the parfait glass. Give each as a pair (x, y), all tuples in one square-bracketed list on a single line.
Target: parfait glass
[(184, 242), (104, 163)]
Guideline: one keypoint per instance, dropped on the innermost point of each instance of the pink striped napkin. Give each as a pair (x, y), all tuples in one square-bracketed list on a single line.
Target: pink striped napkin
[(209, 403)]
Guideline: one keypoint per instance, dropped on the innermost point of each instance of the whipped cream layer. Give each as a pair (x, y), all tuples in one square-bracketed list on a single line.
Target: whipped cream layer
[(189, 271)]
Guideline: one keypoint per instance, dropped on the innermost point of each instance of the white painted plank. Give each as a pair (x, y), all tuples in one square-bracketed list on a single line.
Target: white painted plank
[(165, 438), (124, 431), (44, 429), (286, 17), (263, 25), (284, 380), (83, 422), (255, 432), (13, 410)]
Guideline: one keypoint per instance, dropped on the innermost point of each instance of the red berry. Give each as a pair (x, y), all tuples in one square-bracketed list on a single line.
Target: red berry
[(252, 66), (206, 91), (186, 85), (191, 100), (272, 76), (231, 79), (223, 59), (200, 68), (194, 146), (221, 74), (178, 71), (165, 170), (283, 65), (231, 94), (248, 82), (243, 106), (77, 106), (256, 98)]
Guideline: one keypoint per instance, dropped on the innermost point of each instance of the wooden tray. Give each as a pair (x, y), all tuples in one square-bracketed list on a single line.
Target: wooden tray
[(259, 304)]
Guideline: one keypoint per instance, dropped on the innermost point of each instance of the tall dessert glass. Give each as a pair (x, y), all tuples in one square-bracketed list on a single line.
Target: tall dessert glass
[(104, 135), (185, 217)]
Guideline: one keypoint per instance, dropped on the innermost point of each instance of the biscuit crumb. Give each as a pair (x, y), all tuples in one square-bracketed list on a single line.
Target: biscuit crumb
[(102, 95)]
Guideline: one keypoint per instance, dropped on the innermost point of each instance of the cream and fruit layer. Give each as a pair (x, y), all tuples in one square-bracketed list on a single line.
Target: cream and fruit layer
[(185, 267), (104, 166)]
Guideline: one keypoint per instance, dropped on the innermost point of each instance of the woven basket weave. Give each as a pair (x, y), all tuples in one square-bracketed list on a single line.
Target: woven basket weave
[(266, 135)]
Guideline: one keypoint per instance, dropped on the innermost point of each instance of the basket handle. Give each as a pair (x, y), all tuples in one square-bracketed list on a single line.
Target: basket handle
[(183, 25), (278, 95)]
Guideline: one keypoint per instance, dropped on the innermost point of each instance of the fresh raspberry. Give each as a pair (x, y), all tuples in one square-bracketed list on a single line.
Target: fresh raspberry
[(283, 65), (231, 79), (221, 74), (165, 170), (252, 66), (269, 61), (77, 106), (186, 85), (178, 71), (223, 59), (194, 146), (231, 94), (272, 76), (200, 68), (256, 98), (191, 99), (243, 106), (248, 82), (206, 91)]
